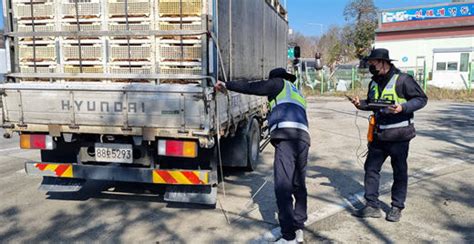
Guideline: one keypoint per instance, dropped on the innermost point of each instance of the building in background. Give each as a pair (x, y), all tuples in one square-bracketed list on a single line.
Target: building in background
[(3, 58), (434, 42)]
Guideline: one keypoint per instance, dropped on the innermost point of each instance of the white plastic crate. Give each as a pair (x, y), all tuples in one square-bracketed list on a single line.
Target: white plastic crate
[(89, 8), (41, 10), (177, 52), (27, 26), (88, 52), (87, 25), (177, 70), (39, 68), (47, 52), (180, 7), (134, 8), (137, 52)]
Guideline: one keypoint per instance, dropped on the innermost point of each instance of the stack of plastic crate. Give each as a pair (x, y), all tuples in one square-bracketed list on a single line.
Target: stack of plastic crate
[(131, 54), (37, 54), (82, 54), (180, 54)]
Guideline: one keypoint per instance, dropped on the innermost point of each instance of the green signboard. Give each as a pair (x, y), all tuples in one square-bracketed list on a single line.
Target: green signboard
[(291, 53)]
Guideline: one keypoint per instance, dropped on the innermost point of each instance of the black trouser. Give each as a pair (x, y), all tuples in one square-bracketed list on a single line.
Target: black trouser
[(291, 157), (378, 152)]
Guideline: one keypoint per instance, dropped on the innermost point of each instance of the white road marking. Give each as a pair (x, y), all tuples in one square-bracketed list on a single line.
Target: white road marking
[(10, 149), (334, 208)]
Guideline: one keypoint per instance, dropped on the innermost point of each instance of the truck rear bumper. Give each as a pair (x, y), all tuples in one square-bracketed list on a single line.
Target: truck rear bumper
[(116, 173)]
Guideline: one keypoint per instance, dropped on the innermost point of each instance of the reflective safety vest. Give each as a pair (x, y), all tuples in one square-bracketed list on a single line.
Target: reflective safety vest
[(288, 109), (390, 93)]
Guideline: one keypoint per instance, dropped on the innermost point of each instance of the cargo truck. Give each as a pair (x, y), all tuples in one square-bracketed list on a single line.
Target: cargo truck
[(122, 90)]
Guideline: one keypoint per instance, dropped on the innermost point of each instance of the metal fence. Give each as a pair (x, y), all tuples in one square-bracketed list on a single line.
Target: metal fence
[(343, 78), (349, 77)]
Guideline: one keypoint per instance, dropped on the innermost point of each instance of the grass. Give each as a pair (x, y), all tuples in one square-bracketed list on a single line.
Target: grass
[(433, 93)]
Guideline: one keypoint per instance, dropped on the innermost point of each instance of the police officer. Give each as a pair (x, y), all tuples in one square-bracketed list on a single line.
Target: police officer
[(393, 131), (290, 136)]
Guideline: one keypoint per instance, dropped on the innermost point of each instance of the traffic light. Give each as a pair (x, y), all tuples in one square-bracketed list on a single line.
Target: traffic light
[(318, 64), (297, 52)]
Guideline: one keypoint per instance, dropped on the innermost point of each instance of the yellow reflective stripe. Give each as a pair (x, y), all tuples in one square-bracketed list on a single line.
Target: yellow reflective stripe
[(180, 178), (287, 95), (283, 92), (300, 99), (272, 103), (68, 173), (389, 92), (157, 178), (375, 89), (51, 167)]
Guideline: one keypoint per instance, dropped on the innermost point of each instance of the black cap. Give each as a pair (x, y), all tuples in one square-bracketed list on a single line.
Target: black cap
[(380, 54), (281, 73)]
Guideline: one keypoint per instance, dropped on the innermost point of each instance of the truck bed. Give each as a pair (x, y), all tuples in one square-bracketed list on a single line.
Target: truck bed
[(130, 109)]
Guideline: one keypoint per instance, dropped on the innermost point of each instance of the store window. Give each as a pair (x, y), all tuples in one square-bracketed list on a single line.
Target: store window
[(453, 66), (464, 64), (441, 66)]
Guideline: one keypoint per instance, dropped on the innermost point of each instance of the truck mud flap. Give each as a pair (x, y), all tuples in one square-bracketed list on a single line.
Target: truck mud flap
[(54, 184), (197, 194)]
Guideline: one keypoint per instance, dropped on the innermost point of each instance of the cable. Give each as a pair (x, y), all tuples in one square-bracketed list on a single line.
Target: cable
[(216, 42), (247, 204), (219, 54), (217, 112)]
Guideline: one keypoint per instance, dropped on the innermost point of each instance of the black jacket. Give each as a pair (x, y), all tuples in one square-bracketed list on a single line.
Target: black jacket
[(406, 87), (269, 88)]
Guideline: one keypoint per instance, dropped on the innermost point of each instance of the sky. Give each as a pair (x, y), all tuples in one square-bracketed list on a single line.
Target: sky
[(310, 17)]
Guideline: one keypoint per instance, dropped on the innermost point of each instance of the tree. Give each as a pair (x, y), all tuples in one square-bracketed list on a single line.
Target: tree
[(333, 46), (307, 44), (362, 16), (360, 10)]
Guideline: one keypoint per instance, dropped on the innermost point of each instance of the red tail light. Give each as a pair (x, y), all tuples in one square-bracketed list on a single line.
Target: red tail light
[(35, 141), (174, 148)]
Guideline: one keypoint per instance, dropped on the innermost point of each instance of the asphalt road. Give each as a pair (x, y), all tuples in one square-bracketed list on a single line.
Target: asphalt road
[(439, 205)]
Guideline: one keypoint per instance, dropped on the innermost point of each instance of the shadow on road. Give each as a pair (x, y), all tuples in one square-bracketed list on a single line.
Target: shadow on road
[(455, 125)]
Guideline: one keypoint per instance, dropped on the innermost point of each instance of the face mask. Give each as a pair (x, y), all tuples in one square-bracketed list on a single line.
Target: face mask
[(373, 70)]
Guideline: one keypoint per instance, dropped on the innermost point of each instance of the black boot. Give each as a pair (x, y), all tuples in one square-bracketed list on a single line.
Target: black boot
[(394, 215), (368, 212)]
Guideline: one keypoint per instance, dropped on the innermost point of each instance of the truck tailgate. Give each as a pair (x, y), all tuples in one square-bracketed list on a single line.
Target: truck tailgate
[(134, 105)]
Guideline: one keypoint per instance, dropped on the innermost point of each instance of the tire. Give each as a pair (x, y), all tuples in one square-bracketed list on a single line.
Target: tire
[(253, 145)]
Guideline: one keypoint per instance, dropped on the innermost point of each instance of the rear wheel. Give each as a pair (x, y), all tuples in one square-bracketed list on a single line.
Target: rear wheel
[(253, 145)]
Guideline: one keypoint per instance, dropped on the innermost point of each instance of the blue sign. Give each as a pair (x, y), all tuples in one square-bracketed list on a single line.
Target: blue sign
[(439, 12), (405, 59)]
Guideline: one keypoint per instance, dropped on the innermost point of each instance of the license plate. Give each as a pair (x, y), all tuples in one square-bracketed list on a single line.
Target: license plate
[(114, 153)]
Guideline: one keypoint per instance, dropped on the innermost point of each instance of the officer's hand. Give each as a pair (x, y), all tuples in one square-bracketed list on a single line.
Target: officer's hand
[(395, 109), (220, 86), (356, 102)]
